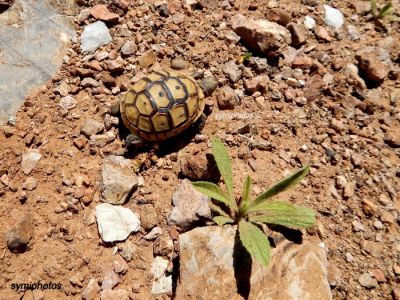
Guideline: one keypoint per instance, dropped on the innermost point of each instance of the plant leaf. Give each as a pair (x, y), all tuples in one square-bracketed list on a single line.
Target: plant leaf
[(373, 7), (282, 185), (244, 204), (246, 190), (393, 18), (255, 242), (223, 163), (220, 220), (283, 213), (218, 209), (385, 10), (212, 190)]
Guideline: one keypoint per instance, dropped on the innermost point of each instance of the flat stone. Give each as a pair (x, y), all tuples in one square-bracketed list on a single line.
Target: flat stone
[(110, 280), (67, 102), (207, 259), (29, 184), (91, 127), (261, 35), (115, 223), (367, 281), (29, 160), (232, 70), (34, 39), (163, 246), (101, 12), (178, 64), (91, 291), (128, 48), (309, 22), (372, 64), (94, 36), (189, 206), (89, 82), (392, 137)]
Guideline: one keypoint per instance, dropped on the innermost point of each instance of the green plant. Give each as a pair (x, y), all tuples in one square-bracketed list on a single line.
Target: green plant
[(386, 11), (247, 212)]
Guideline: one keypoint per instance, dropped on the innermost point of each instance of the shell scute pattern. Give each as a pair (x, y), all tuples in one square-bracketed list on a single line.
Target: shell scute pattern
[(161, 105)]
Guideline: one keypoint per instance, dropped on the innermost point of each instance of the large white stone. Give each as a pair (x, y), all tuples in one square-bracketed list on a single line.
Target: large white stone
[(207, 259), (162, 282), (333, 17), (115, 223), (94, 36)]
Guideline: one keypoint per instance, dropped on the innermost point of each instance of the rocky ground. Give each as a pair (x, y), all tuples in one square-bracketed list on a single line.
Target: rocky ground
[(313, 86)]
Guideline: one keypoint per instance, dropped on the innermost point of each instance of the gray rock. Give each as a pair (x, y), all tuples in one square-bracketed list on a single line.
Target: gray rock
[(34, 38), (209, 84), (91, 291), (190, 206), (89, 82), (19, 236), (101, 140), (206, 259), (29, 161), (115, 223), (67, 102), (178, 64), (333, 17), (367, 281), (110, 280), (94, 36), (128, 250), (261, 35), (259, 64), (232, 70), (162, 282), (129, 48), (153, 234), (227, 98), (91, 127)]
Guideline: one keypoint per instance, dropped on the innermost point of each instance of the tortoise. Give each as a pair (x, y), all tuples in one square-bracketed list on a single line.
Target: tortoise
[(163, 104)]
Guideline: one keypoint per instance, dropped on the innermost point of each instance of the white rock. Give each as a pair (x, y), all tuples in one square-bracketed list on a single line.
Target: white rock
[(68, 102), (309, 22), (115, 223), (94, 36), (29, 161), (162, 283), (333, 17), (153, 234)]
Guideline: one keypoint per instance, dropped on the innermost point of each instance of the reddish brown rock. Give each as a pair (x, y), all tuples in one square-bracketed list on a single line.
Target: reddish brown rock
[(101, 12)]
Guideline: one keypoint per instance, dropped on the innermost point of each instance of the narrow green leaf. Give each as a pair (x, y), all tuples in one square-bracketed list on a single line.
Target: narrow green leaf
[(217, 209), (223, 161), (373, 7), (220, 220), (385, 10), (246, 190), (282, 185), (283, 213), (255, 242), (213, 191), (393, 18), (245, 196)]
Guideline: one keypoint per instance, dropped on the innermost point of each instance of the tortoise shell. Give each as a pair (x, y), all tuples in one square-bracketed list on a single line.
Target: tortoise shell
[(161, 105)]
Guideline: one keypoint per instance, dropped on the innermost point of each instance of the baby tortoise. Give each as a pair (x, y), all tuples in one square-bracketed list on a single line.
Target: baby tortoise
[(162, 104)]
